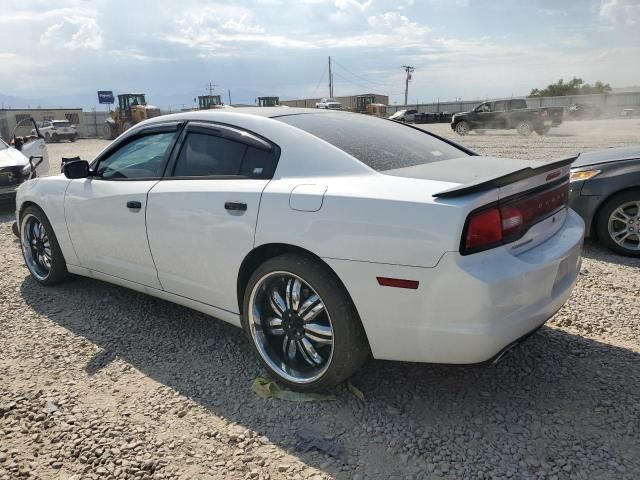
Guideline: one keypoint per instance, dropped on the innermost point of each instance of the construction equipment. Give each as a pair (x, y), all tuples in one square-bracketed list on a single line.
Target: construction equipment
[(206, 102), (377, 109), (268, 101), (132, 109)]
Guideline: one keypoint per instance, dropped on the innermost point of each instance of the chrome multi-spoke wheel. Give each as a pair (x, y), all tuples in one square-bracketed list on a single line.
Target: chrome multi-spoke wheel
[(36, 247), (462, 128), (291, 327), (40, 248), (624, 225)]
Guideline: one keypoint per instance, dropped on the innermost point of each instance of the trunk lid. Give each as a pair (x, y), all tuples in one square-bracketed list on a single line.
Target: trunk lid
[(533, 193)]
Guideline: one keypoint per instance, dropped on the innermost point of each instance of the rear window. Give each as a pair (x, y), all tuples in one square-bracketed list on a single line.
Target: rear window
[(380, 144), (61, 124)]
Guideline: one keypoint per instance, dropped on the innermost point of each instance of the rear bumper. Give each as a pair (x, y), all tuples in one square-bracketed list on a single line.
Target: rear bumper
[(467, 309)]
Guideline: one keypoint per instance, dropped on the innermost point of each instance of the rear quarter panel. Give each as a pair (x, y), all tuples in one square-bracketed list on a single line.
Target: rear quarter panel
[(370, 218)]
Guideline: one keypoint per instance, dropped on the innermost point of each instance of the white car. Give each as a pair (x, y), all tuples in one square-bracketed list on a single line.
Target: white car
[(17, 165), (56, 130), (326, 235), (329, 104), (404, 116)]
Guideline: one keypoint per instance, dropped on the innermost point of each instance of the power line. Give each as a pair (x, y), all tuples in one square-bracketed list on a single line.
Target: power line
[(319, 82), (359, 76), (360, 85)]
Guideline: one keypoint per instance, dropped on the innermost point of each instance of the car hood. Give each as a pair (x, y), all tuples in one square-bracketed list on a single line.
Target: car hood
[(10, 157), (607, 156)]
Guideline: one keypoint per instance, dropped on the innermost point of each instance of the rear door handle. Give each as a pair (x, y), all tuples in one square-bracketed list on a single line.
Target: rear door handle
[(235, 206), (132, 204)]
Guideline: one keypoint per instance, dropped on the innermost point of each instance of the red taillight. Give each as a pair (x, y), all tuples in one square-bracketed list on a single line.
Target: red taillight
[(484, 228), (511, 218)]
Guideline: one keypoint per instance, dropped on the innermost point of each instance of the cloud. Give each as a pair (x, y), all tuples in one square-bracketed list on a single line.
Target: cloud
[(73, 33), (458, 47), (621, 11)]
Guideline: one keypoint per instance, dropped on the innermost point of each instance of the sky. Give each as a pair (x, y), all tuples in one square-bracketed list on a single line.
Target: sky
[(60, 52)]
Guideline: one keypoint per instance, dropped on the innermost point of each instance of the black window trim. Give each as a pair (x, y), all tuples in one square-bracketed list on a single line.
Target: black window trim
[(165, 127), (231, 132)]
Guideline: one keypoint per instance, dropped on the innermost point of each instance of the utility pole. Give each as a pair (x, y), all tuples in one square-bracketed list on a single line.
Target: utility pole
[(330, 80), (210, 88), (409, 69), (229, 91)]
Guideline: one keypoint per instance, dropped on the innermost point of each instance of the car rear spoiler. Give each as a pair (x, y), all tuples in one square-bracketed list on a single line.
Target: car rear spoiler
[(498, 182)]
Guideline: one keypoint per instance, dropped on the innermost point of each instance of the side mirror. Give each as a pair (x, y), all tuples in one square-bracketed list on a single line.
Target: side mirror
[(76, 169)]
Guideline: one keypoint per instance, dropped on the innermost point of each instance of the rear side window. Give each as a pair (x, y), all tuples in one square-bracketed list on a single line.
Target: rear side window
[(380, 144), (517, 104), (204, 155), (500, 106)]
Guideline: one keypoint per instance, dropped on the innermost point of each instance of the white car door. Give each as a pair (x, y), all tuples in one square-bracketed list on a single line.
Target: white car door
[(201, 217), (105, 213), (37, 150)]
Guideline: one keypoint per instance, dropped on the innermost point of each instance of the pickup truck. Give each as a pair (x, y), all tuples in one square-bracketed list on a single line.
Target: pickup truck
[(506, 115)]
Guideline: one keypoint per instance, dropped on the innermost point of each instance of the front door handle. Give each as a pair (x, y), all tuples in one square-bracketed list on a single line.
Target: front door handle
[(132, 204), (235, 206)]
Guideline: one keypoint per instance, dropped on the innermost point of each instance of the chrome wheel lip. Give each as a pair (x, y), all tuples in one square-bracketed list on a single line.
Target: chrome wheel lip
[(623, 226), (35, 263), (259, 337)]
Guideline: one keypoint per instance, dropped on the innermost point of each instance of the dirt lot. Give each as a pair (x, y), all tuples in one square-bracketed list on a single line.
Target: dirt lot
[(101, 382)]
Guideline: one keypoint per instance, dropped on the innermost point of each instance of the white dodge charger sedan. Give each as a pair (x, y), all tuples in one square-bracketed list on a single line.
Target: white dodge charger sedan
[(327, 236)]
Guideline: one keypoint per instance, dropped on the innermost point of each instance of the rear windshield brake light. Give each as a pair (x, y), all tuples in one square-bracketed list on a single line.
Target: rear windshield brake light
[(509, 219)]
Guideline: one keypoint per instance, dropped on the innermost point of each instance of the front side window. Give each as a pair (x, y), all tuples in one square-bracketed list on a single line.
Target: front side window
[(142, 157), (484, 108), (204, 155)]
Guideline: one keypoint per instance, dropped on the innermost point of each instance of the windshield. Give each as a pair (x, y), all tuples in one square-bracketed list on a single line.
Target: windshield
[(378, 143)]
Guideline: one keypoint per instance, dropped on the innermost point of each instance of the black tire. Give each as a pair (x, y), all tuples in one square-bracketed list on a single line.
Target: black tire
[(58, 272), (109, 131), (462, 127), (524, 128), (604, 216), (54, 138), (350, 345), (542, 131), (73, 139), (47, 138)]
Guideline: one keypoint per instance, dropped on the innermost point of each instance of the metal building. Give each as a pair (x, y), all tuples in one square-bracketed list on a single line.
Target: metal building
[(9, 118), (355, 103)]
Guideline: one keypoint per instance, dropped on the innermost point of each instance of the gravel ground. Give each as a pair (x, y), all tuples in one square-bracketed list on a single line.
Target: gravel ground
[(102, 382)]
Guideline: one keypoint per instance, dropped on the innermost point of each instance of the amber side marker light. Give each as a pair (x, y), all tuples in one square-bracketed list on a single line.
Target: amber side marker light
[(398, 283), (581, 176)]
